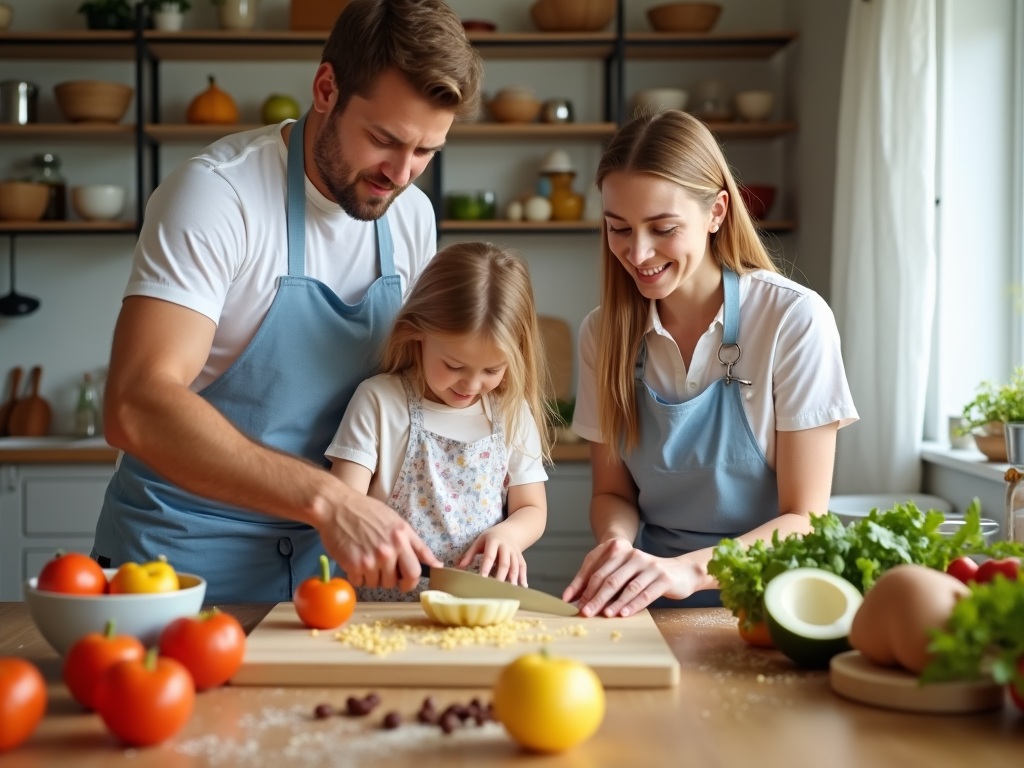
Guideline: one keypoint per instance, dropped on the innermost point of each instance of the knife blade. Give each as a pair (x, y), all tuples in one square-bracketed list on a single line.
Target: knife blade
[(465, 584)]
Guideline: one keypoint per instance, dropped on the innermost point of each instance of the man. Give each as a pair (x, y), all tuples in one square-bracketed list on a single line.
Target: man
[(267, 273)]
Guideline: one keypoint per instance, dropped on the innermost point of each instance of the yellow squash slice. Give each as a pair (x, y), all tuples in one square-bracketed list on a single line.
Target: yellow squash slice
[(466, 612)]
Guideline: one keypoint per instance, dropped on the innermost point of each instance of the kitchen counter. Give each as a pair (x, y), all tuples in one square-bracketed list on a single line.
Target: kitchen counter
[(66, 450), (735, 706)]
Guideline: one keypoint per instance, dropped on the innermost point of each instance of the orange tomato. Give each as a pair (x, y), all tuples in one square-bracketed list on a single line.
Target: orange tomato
[(210, 645), (755, 634), (145, 701), (22, 701), (323, 602), (73, 574), (92, 656)]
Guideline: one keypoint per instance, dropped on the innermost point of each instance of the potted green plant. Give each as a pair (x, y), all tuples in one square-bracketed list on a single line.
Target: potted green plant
[(167, 15), (107, 14), (992, 409)]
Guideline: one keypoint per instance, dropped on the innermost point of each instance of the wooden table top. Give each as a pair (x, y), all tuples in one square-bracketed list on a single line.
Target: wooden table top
[(734, 707)]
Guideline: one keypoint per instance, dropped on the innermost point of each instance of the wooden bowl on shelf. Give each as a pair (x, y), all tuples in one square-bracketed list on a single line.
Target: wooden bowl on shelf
[(758, 198), (684, 17), (572, 15), (93, 101), (23, 200), (507, 110)]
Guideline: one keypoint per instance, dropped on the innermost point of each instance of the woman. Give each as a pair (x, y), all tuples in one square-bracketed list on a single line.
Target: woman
[(711, 386)]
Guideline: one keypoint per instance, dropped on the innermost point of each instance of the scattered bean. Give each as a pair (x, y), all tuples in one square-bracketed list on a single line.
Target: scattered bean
[(430, 703), (392, 720), (372, 699), (462, 711), (449, 721), (358, 707), (427, 716), (322, 711)]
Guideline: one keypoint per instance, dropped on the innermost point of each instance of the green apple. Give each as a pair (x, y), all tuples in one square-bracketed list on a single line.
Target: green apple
[(278, 108)]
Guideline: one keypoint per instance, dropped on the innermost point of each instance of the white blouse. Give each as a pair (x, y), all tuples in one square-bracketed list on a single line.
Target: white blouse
[(791, 353)]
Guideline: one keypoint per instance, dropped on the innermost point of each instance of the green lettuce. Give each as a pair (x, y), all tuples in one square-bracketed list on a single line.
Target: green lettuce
[(859, 552)]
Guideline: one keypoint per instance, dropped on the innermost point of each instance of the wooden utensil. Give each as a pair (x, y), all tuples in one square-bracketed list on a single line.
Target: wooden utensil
[(558, 350), (854, 677), (624, 652), (6, 408), (30, 416)]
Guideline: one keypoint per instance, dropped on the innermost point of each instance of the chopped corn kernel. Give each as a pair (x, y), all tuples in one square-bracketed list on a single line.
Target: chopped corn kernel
[(616, 635), (314, 632)]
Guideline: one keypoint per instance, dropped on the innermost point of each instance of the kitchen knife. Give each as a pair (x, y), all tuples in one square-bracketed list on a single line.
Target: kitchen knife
[(465, 584)]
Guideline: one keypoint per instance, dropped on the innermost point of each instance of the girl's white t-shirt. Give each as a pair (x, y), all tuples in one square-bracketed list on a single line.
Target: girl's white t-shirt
[(790, 351), (215, 240), (374, 433)]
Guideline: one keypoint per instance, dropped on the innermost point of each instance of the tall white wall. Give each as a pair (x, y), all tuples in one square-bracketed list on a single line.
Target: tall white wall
[(80, 279)]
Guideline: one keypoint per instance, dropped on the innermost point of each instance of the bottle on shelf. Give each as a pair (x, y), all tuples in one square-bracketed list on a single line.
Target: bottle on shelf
[(46, 170), (86, 415)]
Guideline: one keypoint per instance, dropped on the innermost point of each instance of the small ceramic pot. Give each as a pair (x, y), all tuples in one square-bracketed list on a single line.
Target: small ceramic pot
[(168, 21), (1014, 432), (6, 16), (991, 441), (238, 14)]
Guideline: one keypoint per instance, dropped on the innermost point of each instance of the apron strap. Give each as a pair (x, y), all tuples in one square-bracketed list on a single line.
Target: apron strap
[(731, 310), (385, 247), (296, 196), (641, 361), (415, 404)]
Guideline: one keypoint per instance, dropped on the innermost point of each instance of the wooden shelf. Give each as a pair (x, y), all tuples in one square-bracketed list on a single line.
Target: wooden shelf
[(68, 131), (454, 226), (752, 130), (544, 45), (187, 132), (65, 227), (672, 45), (531, 130), (93, 45)]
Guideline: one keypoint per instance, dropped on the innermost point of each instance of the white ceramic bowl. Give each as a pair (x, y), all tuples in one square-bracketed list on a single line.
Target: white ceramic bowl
[(755, 105), (854, 507), (64, 619), (656, 99), (556, 161), (98, 202)]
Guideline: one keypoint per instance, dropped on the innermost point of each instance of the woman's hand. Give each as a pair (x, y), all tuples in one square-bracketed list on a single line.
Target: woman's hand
[(618, 580), (500, 551)]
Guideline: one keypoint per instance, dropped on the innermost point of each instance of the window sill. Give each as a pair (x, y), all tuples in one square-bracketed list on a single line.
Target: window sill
[(969, 460)]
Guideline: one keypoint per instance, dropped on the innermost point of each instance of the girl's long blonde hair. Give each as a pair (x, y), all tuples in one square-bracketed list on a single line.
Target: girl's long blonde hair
[(478, 289), (675, 146)]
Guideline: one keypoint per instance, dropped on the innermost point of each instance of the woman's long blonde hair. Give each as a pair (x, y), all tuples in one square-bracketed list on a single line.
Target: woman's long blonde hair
[(484, 290), (678, 147)]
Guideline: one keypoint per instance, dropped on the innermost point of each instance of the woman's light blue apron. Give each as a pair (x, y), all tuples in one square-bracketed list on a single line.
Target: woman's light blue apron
[(701, 475), (288, 390)]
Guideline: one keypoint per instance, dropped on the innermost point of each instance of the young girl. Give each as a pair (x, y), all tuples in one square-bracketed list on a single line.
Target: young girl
[(711, 386), (453, 425)]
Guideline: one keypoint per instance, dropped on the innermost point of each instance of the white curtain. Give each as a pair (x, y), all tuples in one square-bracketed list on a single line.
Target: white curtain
[(883, 275)]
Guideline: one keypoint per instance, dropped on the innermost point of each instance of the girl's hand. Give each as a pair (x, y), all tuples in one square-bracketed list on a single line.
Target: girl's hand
[(618, 580), (499, 552)]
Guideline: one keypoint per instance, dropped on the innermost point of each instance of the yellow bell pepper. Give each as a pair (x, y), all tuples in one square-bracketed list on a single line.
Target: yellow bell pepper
[(132, 578)]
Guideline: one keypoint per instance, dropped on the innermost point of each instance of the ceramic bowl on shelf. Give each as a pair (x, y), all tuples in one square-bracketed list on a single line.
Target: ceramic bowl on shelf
[(557, 161), (63, 619), (657, 99), (478, 25), (684, 17), (572, 15), (758, 198), (755, 106), (515, 104), (23, 200), (98, 202), (93, 101)]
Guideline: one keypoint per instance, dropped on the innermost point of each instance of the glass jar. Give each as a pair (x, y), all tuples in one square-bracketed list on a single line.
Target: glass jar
[(46, 170), (86, 414)]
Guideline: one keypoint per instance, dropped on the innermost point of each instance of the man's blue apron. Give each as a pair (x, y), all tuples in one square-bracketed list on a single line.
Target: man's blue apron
[(701, 475), (288, 390)]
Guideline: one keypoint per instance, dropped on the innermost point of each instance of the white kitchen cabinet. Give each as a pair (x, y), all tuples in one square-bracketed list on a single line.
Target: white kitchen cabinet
[(554, 560), (43, 508)]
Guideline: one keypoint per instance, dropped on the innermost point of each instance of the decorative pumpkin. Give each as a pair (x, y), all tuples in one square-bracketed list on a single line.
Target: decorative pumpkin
[(212, 106)]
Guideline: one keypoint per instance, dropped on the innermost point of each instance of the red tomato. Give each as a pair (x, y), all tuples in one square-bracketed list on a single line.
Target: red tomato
[(93, 655), (963, 569), (73, 574), (22, 701), (323, 602), (145, 701), (1009, 567), (1017, 688), (757, 635), (210, 645)]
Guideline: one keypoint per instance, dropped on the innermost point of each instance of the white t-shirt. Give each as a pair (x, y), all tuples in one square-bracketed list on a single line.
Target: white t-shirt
[(790, 351), (215, 240), (374, 433)]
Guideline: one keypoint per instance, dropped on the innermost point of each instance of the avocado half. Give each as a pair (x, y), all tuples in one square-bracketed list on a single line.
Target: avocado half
[(809, 613)]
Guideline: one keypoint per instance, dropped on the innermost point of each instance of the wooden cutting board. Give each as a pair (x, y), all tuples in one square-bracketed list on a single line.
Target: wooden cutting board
[(282, 651), (558, 349), (854, 677)]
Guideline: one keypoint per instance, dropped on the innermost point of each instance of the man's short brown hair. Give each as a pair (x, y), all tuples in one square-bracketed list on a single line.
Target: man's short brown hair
[(422, 39)]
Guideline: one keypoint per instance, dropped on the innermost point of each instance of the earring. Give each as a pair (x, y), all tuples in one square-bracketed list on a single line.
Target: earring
[(714, 227)]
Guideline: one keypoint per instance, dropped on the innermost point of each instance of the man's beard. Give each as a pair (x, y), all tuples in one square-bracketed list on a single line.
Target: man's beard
[(343, 183)]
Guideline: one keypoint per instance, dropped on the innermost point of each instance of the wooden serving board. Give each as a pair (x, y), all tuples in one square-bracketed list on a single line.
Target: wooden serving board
[(282, 651), (854, 677)]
